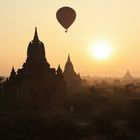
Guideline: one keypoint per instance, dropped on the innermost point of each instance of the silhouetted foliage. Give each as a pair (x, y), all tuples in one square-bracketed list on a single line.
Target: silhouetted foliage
[(92, 117), (1, 78)]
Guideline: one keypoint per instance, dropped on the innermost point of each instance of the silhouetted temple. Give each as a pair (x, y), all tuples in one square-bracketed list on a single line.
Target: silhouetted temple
[(36, 79), (72, 79), (128, 78)]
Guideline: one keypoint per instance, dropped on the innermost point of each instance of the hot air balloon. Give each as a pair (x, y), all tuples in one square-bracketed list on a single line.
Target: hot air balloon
[(66, 16)]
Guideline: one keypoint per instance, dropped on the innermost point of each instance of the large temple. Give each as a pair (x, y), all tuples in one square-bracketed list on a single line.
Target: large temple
[(36, 79), (73, 80)]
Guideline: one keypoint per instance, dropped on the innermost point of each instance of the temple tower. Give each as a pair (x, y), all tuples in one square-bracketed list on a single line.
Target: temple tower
[(36, 79), (72, 79)]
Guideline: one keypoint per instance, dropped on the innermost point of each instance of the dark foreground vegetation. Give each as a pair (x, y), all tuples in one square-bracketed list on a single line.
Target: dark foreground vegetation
[(82, 116)]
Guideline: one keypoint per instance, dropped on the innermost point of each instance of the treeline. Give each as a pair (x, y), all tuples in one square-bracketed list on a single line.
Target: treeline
[(98, 112)]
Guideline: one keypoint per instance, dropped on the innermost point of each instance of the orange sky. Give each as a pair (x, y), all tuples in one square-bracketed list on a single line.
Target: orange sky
[(115, 21)]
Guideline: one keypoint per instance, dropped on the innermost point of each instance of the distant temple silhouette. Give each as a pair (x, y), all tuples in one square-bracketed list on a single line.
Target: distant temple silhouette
[(128, 78), (36, 79), (73, 80)]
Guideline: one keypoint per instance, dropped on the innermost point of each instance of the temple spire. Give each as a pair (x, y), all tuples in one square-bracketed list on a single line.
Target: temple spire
[(69, 66), (59, 68), (59, 72), (68, 58), (13, 74), (36, 35)]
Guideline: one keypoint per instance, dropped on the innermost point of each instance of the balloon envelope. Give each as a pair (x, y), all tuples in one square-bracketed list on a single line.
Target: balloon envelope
[(66, 16)]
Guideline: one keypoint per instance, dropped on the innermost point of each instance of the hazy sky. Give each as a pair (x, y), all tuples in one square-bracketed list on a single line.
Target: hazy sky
[(115, 21)]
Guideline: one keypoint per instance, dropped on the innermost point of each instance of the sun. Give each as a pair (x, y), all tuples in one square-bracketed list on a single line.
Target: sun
[(101, 50)]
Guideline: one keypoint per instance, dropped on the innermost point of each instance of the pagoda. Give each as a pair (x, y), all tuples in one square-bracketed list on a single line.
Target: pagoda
[(73, 80), (128, 78), (36, 79)]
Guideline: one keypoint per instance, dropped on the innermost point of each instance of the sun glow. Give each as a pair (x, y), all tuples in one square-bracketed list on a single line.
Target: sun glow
[(101, 50)]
